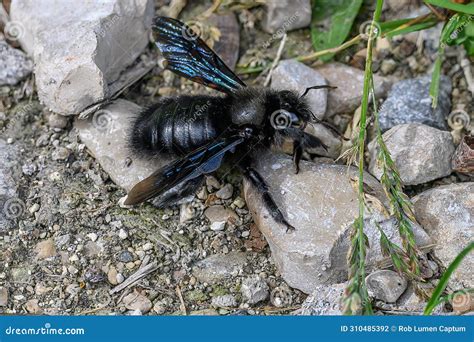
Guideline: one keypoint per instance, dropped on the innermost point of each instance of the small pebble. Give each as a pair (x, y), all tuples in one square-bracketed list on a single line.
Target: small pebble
[(122, 234), (34, 208), (147, 246), (212, 182), (112, 275), (120, 278), (61, 153), (217, 226), (225, 192), (92, 236), (57, 121), (239, 202), (28, 169)]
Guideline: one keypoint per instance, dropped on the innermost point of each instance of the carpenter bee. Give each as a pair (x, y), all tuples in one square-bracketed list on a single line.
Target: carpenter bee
[(203, 131)]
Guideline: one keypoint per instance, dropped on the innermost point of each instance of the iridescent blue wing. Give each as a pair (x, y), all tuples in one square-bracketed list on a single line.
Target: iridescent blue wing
[(204, 160), (188, 56)]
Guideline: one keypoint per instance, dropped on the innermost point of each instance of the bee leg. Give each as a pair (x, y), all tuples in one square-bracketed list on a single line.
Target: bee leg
[(297, 154), (256, 179)]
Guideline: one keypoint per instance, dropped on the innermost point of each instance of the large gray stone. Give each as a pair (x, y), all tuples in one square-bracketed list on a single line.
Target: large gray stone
[(14, 65), (294, 75), (321, 203), (80, 48), (421, 153), (105, 135), (409, 101), (447, 213), (285, 15), (349, 82)]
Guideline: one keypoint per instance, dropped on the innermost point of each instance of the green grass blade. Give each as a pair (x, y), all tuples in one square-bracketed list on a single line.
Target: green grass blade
[(434, 86), (468, 8), (340, 14), (413, 28), (434, 300)]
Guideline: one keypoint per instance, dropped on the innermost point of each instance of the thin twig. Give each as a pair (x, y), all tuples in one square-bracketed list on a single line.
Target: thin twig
[(182, 306), (336, 49), (276, 60), (139, 274), (408, 23)]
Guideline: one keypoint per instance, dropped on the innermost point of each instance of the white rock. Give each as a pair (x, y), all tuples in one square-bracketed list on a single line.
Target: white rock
[(421, 153), (80, 48), (147, 246), (122, 234), (105, 135), (120, 278), (217, 226), (92, 236)]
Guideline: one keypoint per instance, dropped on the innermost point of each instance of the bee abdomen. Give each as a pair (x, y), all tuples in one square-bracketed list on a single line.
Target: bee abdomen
[(175, 125)]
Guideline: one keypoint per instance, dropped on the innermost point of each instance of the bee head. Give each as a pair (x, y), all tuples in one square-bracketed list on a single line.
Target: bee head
[(289, 111)]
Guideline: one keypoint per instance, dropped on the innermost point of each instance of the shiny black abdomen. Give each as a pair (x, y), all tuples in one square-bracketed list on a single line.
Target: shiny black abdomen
[(179, 125)]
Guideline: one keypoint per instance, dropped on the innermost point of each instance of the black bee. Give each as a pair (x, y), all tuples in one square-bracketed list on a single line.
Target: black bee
[(204, 130)]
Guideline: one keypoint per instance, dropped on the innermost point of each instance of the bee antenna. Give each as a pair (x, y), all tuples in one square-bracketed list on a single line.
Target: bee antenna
[(317, 87)]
